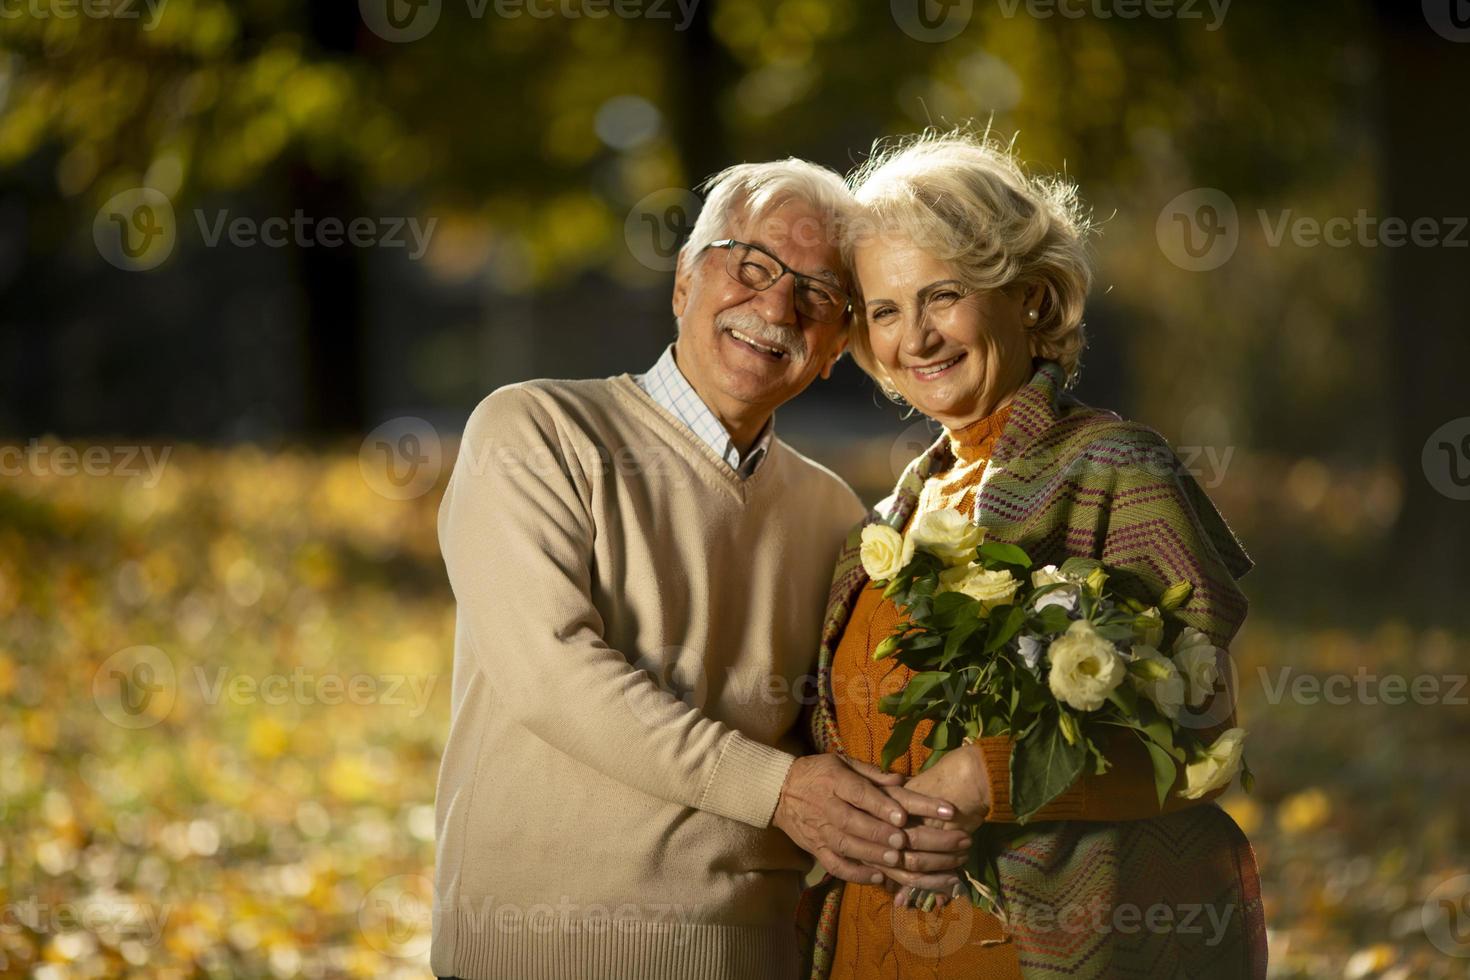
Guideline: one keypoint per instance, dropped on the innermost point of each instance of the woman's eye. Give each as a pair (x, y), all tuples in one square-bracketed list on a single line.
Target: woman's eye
[(882, 313), (944, 297)]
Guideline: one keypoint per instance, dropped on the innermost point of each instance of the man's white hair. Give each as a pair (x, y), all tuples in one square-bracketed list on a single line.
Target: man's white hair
[(748, 192)]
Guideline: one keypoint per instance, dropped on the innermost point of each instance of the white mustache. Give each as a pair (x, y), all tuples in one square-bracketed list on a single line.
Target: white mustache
[(754, 327)]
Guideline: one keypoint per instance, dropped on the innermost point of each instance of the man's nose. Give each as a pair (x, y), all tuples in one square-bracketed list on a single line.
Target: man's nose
[(777, 302)]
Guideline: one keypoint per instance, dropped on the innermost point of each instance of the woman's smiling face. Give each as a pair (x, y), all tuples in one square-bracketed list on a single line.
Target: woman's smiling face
[(953, 354)]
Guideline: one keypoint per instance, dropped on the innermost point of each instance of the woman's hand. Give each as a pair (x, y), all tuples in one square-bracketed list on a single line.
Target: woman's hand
[(960, 778)]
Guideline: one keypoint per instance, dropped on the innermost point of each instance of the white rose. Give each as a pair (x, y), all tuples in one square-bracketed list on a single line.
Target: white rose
[(1047, 575), (949, 535), (991, 588), (1030, 649), (1066, 597), (1218, 767), (884, 551), (1195, 657), (1167, 693), (1084, 667)]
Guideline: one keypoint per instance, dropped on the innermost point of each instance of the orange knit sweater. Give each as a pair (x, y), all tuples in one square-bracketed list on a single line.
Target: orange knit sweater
[(874, 940)]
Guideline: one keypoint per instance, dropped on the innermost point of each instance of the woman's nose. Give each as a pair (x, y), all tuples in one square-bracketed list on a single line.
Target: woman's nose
[(917, 335)]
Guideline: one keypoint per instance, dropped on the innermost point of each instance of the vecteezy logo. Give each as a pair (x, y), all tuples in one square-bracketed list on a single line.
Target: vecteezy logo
[(681, 680), (912, 441), (932, 934), (136, 687), (659, 224), (135, 230), (1450, 19), (400, 21), (401, 458), (1446, 459), (1446, 916), (1199, 229), (396, 916), (932, 21)]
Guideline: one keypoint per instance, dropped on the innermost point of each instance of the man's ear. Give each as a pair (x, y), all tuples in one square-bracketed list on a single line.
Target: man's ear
[(682, 277), (832, 361)]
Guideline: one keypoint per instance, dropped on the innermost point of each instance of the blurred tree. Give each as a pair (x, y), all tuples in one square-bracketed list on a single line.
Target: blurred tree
[(1428, 343)]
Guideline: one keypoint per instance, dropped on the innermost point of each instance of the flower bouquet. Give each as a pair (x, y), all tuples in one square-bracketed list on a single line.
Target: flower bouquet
[(1051, 657)]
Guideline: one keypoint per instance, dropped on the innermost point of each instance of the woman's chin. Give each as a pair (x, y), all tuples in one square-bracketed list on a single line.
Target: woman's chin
[(943, 406)]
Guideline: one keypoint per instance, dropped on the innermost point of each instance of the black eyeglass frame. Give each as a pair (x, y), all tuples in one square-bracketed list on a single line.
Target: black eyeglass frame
[(730, 244)]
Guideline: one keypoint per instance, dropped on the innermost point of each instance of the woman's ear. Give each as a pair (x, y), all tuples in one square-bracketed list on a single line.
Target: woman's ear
[(1033, 296)]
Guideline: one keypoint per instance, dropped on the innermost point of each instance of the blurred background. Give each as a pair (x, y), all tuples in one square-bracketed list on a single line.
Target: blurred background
[(260, 259)]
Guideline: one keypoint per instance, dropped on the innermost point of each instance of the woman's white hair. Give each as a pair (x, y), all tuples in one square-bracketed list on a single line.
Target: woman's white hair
[(747, 193), (965, 199)]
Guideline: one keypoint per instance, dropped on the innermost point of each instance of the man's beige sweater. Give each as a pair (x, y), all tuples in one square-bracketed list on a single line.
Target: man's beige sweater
[(590, 822)]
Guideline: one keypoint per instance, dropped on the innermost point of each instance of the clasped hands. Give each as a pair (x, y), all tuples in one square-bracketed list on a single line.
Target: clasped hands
[(870, 827)]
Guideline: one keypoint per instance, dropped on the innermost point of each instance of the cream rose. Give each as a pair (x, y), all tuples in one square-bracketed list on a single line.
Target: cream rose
[(1084, 667), (1047, 575), (1218, 767), (991, 588), (949, 535), (1195, 657), (884, 551), (1166, 692)]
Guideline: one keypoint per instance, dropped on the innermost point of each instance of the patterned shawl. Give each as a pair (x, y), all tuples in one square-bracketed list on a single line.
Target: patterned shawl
[(1066, 479)]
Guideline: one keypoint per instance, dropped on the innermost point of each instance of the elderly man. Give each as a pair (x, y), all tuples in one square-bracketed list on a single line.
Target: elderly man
[(605, 536)]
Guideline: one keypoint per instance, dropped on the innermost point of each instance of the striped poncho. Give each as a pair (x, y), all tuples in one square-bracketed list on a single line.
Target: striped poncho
[(1066, 479)]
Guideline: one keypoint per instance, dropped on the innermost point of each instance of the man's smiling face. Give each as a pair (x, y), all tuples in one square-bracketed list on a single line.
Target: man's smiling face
[(746, 350)]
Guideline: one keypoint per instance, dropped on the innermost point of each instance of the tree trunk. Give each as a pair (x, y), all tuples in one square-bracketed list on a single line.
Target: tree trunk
[(1424, 149)]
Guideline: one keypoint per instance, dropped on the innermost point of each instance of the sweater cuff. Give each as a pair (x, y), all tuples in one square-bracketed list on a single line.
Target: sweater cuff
[(995, 753), (747, 780)]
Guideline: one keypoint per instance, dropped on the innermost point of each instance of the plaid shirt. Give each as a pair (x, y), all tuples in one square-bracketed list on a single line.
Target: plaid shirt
[(666, 384)]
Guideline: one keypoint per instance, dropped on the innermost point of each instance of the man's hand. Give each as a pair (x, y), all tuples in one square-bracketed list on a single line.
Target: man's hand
[(848, 815)]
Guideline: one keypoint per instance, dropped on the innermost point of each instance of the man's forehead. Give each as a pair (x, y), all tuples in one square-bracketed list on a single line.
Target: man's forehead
[(794, 229)]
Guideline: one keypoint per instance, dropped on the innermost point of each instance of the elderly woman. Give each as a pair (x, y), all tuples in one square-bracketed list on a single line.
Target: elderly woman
[(972, 277)]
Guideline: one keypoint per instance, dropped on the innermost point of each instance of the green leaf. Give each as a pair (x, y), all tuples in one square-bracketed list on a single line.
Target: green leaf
[(950, 603), (942, 739), (1126, 698), (1161, 733), (898, 741), (919, 687), (1052, 619), (1043, 766), (1005, 623), (1004, 554), (1164, 769), (1115, 632), (925, 641), (955, 641)]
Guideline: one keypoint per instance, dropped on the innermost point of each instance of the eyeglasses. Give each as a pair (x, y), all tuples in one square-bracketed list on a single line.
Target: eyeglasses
[(753, 266)]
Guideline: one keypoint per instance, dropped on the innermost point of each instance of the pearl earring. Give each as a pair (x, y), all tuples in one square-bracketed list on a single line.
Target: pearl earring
[(1032, 315)]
